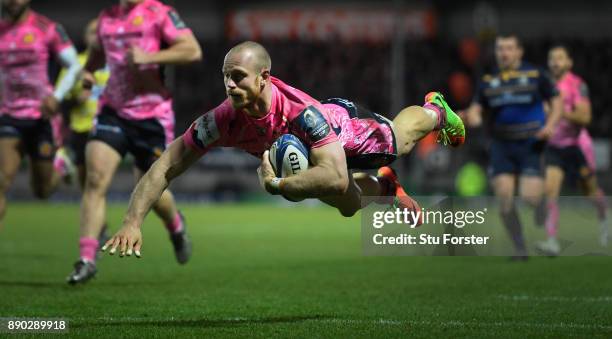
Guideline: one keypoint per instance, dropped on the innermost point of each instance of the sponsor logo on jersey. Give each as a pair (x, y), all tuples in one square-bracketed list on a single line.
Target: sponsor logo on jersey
[(312, 122), (29, 38), (138, 20), (206, 128)]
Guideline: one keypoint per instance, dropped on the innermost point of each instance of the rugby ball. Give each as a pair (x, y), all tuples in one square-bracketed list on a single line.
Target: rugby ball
[(288, 156)]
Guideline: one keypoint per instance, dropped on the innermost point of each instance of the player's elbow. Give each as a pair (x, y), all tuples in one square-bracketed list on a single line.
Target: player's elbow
[(196, 54), (193, 52), (585, 122), (187, 50), (587, 119)]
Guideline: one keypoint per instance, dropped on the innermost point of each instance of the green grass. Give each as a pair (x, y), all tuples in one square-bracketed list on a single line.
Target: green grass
[(261, 271)]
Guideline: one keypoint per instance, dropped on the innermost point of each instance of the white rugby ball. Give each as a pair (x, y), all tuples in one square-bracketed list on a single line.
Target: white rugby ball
[(288, 156)]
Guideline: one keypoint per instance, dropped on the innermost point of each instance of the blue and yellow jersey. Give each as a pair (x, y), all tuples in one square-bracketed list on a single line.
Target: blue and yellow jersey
[(82, 115), (515, 100)]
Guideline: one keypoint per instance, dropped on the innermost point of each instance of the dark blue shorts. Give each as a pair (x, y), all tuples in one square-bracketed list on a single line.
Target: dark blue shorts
[(519, 157), (144, 139), (570, 159)]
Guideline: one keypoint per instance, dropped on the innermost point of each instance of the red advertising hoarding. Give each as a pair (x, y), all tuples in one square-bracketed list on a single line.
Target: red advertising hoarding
[(329, 24)]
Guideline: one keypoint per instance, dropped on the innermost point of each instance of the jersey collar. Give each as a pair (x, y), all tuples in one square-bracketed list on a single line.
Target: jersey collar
[(273, 105)]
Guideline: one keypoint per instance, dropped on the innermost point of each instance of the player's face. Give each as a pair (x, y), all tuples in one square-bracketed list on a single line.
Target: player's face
[(14, 8), (242, 82), (90, 37), (559, 61), (508, 52)]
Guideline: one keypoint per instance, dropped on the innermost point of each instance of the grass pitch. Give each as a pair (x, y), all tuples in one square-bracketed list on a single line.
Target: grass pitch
[(261, 271)]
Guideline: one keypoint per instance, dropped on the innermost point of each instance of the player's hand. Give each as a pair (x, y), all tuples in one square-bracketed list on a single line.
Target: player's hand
[(49, 106), (266, 173), (137, 56), (87, 80), (545, 133), (127, 240)]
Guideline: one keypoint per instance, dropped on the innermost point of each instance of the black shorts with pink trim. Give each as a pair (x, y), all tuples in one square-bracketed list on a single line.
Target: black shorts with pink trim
[(145, 139)]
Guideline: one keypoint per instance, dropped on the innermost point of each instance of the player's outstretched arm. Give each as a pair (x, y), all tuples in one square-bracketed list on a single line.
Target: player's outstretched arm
[(185, 49), (172, 163), (327, 177)]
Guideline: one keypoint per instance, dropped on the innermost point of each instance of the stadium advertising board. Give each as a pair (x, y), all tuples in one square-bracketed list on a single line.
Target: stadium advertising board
[(328, 24)]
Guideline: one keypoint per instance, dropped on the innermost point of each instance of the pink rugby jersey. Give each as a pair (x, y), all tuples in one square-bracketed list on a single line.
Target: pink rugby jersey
[(573, 91), (291, 111), (25, 49), (138, 92)]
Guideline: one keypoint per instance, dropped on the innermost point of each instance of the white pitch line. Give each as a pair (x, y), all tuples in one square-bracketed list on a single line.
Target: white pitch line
[(457, 323), (600, 299), (387, 322)]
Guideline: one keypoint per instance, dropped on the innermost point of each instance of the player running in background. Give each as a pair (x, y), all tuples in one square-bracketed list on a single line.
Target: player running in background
[(27, 41), (514, 95), (136, 114), (341, 137), (82, 103), (566, 153)]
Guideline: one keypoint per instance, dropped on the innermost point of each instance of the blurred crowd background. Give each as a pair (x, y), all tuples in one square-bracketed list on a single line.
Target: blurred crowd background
[(382, 54)]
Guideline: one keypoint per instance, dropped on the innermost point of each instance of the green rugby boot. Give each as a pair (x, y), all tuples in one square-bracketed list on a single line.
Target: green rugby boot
[(452, 131)]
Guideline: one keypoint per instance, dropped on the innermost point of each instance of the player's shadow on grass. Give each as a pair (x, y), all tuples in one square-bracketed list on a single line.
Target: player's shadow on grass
[(137, 284), (28, 256), (62, 284), (35, 284), (202, 323)]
